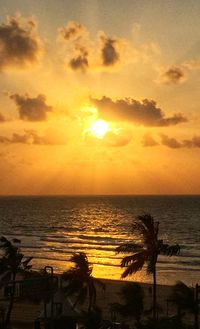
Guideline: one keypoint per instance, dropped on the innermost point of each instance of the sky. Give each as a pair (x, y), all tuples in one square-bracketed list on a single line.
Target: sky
[(99, 97)]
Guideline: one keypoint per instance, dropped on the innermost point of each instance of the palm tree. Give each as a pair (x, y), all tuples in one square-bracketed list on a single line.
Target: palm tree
[(145, 252), (12, 263), (80, 281), (184, 298), (133, 296)]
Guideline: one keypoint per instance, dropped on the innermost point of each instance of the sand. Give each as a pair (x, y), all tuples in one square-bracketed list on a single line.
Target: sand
[(25, 313)]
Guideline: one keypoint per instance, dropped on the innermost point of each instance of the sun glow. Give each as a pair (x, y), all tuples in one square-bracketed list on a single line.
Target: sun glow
[(99, 128)]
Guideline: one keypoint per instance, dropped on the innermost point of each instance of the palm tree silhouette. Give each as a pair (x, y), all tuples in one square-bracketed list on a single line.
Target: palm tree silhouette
[(133, 306), (145, 252), (80, 281), (184, 298), (12, 263)]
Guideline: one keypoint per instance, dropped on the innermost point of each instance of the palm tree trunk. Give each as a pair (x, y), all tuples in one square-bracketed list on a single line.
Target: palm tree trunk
[(154, 294), (196, 319), (8, 315)]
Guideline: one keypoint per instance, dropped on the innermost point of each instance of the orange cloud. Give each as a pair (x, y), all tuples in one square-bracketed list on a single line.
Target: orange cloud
[(144, 113)]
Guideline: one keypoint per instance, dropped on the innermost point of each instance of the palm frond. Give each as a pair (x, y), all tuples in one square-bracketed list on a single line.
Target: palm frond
[(139, 228), (128, 248), (147, 220), (135, 265), (173, 250), (147, 226), (81, 262)]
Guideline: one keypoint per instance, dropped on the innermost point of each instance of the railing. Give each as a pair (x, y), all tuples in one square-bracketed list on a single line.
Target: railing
[(30, 287)]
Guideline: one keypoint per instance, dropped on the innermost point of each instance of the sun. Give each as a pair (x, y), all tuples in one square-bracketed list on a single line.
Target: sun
[(99, 128)]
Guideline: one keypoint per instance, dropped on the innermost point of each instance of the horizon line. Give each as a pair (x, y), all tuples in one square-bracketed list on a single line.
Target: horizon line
[(96, 195)]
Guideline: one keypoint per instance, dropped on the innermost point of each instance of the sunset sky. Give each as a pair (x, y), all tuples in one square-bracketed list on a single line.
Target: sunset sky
[(99, 97)]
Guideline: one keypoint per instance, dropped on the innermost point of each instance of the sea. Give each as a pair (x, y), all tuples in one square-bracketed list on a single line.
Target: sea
[(52, 228)]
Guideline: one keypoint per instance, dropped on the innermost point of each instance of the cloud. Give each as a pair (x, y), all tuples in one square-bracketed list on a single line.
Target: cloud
[(100, 53), (194, 142), (148, 140), (31, 109), (170, 142), (143, 113), (31, 137), (2, 118), (80, 62), (192, 64), (72, 31), (19, 44), (109, 53), (76, 37), (173, 75), (187, 143)]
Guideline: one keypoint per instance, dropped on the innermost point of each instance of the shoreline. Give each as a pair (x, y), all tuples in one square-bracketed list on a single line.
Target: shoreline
[(25, 312)]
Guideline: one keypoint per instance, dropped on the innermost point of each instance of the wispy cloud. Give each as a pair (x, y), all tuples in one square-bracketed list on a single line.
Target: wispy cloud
[(31, 137), (170, 142), (173, 75)]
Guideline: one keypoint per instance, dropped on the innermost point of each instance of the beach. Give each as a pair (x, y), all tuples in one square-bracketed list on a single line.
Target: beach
[(25, 312)]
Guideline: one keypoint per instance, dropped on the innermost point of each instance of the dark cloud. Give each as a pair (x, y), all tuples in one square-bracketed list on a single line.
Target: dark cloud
[(145, 113), (19, 46), (173, 75), (174, 120), (31, 137), (187, 143), (84, 52), (2, 118), (109, 52), (80, 62), (170, 142), (148, 140), (75, 36), (31, 109), (71, 31), (194, 142)]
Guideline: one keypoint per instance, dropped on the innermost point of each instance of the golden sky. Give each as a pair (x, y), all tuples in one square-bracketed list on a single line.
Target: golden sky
[(99, 97)]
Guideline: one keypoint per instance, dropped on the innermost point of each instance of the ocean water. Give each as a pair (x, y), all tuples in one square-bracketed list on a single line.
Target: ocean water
[(52, 228)]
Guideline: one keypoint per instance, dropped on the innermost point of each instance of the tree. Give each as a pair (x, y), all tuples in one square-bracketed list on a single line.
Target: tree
[(12, 263), (80, 281), (145, 252), (184, 298), (133, 296)]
